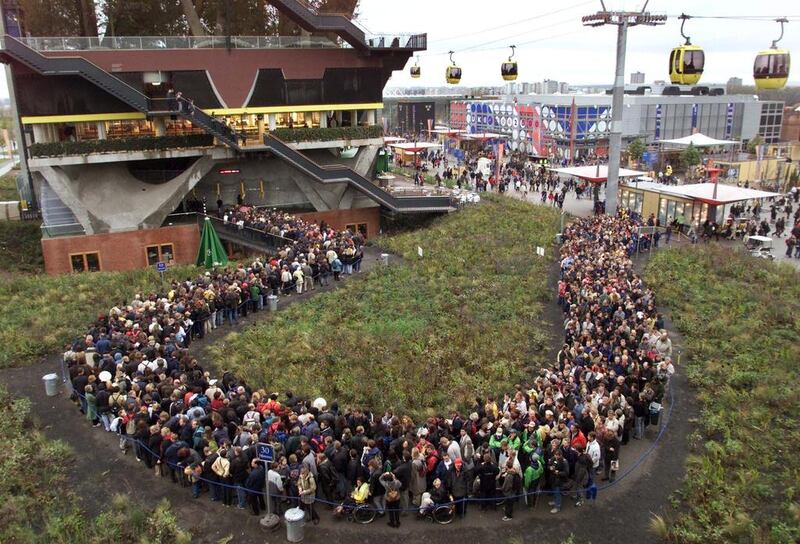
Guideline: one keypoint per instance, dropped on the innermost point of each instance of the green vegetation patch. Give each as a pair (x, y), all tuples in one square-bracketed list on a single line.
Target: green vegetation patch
[(21, 247), (741, 321), (36, 505), (429, 333), (8, 186), (41, 313)]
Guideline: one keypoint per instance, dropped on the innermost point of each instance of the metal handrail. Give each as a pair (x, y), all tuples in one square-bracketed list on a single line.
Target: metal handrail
[(82, 43)]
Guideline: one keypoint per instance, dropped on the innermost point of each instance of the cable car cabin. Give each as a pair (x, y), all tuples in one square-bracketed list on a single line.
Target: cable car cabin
[(509, 70), (686, 64), (415, 71), (771, 68), (453, 74)]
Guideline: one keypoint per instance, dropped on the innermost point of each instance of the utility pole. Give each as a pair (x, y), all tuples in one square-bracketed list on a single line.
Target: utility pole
[(622, 20)]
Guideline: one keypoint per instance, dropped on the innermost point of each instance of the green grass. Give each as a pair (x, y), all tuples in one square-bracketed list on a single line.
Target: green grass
[(8, 186), (41, 313), (422, 336), (37, 506), (741, 321), (20, 247)]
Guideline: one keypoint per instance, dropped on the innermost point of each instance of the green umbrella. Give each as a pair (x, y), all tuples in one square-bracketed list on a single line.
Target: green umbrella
[(211, 252)]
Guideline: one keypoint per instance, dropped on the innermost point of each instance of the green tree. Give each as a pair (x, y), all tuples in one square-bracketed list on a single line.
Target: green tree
[(691, 156), (754, 143), (636, 149), (52, 17)]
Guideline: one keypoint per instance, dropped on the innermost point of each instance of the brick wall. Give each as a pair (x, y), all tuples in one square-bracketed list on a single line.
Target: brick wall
[(121, 250), (339, 219)]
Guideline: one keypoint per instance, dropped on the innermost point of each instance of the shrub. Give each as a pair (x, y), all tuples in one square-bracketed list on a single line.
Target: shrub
[(319, 134), (425, 335), (739, 316), (142, 143)]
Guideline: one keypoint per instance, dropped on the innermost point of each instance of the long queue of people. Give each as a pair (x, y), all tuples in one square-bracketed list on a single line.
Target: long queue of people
[(558, 435)]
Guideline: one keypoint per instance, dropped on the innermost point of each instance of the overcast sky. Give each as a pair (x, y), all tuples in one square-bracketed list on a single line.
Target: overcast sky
[(562, 49), (552, 43)]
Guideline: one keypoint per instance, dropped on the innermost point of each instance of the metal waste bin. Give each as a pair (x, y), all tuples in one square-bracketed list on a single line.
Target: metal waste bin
[(273, 303), (295, 521), (385, 259), (50, 384)]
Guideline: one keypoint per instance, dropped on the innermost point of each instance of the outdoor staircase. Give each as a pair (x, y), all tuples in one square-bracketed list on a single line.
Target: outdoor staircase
[(247, 237), (339, 174), (306, 16), (13, 49)]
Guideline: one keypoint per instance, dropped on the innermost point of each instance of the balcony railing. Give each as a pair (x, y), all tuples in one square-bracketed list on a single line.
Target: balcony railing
[(181, 42)]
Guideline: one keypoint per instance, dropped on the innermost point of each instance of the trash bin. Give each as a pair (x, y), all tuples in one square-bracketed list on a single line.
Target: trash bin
[(385, 259), (273, 303), (295, 521), (50, 384)]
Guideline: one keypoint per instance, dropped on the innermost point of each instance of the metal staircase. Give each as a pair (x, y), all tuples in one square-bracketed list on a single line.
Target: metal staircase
[(13, 49), (340, 174), (308, 19)]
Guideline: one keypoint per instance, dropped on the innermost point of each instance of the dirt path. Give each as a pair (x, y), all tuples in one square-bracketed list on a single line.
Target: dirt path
[(621, 514)]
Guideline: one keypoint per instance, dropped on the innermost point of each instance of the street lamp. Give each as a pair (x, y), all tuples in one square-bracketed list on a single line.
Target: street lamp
[(622, 20)]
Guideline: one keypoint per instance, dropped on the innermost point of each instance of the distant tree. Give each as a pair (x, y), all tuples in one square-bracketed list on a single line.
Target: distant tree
[(144, 18), (752, 145), (636, 149), (691, 156), (52, 17)]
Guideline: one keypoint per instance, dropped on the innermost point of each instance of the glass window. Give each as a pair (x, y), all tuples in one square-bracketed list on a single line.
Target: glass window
[(85, 262), (93, 262), (167, 253), (152, 255), (77, 263)]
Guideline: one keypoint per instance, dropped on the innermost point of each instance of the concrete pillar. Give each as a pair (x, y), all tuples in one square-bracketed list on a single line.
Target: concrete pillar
[(371, 118), (323, 119), (260, 123), (52, 131), (354, 118), (41, 135), (273, 123), (160, 126), (338, 116), (101, 130)]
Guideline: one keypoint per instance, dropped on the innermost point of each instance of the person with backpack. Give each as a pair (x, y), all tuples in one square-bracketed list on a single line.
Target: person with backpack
[(392, 486)]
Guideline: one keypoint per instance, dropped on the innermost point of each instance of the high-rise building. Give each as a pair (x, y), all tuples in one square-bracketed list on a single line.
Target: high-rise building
[(637, 78), (124, 132)]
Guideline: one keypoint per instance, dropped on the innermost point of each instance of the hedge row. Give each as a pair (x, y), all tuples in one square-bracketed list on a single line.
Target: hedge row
[(144, 143), (318, 134)]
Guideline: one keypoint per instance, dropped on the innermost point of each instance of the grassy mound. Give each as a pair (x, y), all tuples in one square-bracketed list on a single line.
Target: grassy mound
[(41, 313), (741, 320), (21, 247), (430, 333), (36, 505)]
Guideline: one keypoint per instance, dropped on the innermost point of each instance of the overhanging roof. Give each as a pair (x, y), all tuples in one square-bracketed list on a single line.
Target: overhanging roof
[(698, 140), (704, 192), (596, 174)]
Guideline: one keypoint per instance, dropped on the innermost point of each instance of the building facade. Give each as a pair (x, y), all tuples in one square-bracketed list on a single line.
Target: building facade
[(122, 133), (578, 126)]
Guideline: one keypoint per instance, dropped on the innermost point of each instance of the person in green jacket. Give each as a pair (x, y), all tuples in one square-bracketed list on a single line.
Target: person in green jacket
[(496, 440), (531, 478), (513, 440)]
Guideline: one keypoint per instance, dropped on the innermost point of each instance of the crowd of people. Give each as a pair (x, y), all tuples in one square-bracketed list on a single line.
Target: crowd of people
[(557, 435)]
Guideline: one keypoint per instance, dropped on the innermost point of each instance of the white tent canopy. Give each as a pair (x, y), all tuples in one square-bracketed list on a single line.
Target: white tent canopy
[(595, 173), (721, 194), (414, 146), (698, 140)]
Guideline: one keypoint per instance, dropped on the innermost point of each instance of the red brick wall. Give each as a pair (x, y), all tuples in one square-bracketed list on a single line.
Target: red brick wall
[(338, 219), (121, 250)]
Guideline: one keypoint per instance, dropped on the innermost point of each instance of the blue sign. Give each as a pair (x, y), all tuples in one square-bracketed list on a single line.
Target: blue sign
[(161, 266), (265, 452), (729, 120), (658, 121), (694, 116), (650, 157)]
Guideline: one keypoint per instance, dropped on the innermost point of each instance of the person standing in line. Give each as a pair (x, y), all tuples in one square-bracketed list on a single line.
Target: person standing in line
[(392, 486), (511, 485), (307, 488)]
